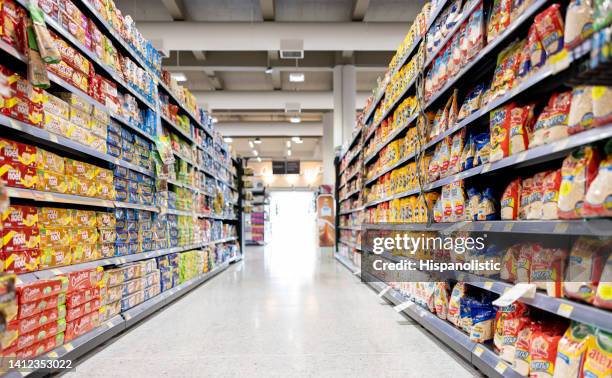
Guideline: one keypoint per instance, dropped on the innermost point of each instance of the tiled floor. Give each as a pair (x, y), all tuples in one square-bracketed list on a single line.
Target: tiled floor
[(287, 310)]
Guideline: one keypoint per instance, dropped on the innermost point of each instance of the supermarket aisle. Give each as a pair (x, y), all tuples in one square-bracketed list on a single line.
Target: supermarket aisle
[(268, 317)]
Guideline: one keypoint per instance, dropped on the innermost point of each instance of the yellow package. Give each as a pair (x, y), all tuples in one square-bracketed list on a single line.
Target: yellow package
[(52, 237), (56, 124), (84, 218), (49, 161), (100, 115), (103, 175), (105, 191), (80, 169), (598, 361), (99, 127), (571, 350), (75, 101), (97, 143), (56, 106), (84, 235), (79, 134), (104, 219), (80, 119), (53, 257), (52, 182), (51, 216), (412, 205), (83, 253)]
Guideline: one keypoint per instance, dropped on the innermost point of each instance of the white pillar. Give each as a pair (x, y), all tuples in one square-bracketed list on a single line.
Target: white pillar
[(337, 115), (348, 101), (327, 145)]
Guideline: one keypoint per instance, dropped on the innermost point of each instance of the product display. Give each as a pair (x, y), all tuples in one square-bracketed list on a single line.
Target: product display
[(486, 144)]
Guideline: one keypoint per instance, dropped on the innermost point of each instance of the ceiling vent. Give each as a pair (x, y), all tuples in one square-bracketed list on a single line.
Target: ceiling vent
[(291, 49), (293, 107)]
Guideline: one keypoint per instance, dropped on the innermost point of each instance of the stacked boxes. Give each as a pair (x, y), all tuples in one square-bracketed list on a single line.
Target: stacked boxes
[(26, 103), (159, 231), (20, 239), (40, 322), (173, 230), (186, 230), (128, 146), (18, 164), (82, 302), (133, 187), (129, 285), (169, 270), (191, 265), (134, 229)]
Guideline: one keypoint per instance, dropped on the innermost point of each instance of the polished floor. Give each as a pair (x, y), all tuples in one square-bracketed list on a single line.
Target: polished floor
[(285, 311)]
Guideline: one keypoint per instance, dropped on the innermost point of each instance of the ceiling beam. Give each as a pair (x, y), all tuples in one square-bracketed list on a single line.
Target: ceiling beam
[(200, 56), (270, 100), (266, 36), (267, 9), (176, 8), (270, 129), (276, 80), (359, 9), (381, 69)]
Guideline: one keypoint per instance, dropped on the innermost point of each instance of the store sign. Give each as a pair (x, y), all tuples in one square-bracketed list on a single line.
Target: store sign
[(282, 167)]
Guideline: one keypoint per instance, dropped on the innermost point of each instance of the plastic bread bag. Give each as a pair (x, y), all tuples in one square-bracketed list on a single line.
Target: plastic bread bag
[(483, 318), (454, 13), (549, 24), (447, 204), (458, 201), (537, 53), (521, 122), (510, 200), (471, 210), (454, 303), (571, 350), (602, 105), (550, 199), (509, 263), (598, 359), (444, 156), (454, 63), (469, 152), (586, 263), (483, 149), (487, 207), (603, 295), (523, 346), (433, 171), (557, 126), (518, 7), (451, 117), (508, 322), (581, 110), (598, 199), (547, 270), (523, 262), (578, 22), (471, 102), (577, 172)]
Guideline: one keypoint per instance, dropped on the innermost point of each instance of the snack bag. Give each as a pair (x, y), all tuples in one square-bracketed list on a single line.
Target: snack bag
[(579, 22), (468, 154), (475, 34), (550, 199), (509, 263), (510, 320), (552, 122), (598, 199), (547, 268), (471, 102), (578, 171), (522, 357), (483, 317), (603, 296), (523, 262), (454, 303), (571, 350), (598, 361), (586, 263), (537, 53), (500, 133), (602, 105), (483, 149), (581, 110), (542, 354), (510, 200), (471, 210), (526, 189), (549, 25), (521, 122), (536, 196), (441, 299), (487, 207)]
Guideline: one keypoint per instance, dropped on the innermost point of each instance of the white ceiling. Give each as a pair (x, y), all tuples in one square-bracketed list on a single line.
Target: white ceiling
[(277, 148)]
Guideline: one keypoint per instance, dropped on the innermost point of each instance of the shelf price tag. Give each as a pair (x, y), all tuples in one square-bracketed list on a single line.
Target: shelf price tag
[(561, 228), (501, 367), (52, 354), (565, 310), (508, 227), (402, 306), (384, 291), (478, 351), (68, 347), (488, 285)]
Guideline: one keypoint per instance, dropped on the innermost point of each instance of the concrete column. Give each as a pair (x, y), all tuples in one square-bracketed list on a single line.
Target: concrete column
[(328, 150), (337, 114), (349, 84)]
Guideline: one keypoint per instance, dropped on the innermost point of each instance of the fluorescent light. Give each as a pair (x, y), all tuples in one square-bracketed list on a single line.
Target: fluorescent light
[(296, 77), (257, 141), (269, 70), (215, 119), (228, 140), (251, 144), (288, 144), (295, 120), (178, 76), (289, 152), (255, 153), (259, 159), (297, 140)]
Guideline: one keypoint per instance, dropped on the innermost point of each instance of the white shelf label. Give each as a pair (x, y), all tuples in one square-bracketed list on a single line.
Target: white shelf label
[(402, 306), (384, 291), (565, 310), (501, 367), (519, 290), (478, 351)]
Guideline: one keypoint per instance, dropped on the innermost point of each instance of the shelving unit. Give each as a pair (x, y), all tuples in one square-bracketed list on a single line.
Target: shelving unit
[(556, 74), (220, 174)]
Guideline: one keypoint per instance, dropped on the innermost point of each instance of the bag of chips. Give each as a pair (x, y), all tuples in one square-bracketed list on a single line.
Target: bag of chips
[(471, 102), (536, 51), (454, 304), (549, 25), (499, 125), (550, 199), (581, 110), (578, 171), (510, 200), (521, 124), (598, 199)]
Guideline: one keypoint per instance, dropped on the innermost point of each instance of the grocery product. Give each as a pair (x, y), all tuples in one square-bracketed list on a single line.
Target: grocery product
[(598, 358), (578, 171), (598, 195)]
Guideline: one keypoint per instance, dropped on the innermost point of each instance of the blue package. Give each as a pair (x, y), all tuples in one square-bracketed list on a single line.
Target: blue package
[(131, 225), (113, 150), (127, 135), (133, 197), (122, 249), (482, 141), (132, 175), (121, 195), (144, 215), (487, 208), (131, 214), (121, 172), (122, 236), (114, 139), (114, 127), (147, 245), (132, 186), (120, 183)]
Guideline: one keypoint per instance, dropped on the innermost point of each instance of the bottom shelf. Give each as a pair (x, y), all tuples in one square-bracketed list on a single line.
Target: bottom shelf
[(87, 342), (481, 356)]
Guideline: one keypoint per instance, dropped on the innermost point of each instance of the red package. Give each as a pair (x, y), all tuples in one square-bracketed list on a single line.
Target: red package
[(552, 183), (549, 25), (543, 353), (20, 217), (18, 176), (510, 200), (17, 153), (82, 310), (82, 325), (77, 298), (19, 239), (45, 317), (32, 308), (41, 289), (50, 8), (521, 125), (41, 334), (21, 261), (579, 169), (11, 15), (42, 347), (82, 279), (526, 190), (74, 77)]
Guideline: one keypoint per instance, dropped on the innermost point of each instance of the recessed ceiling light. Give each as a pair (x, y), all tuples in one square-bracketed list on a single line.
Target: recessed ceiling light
[(297, 140), (295, 120), (255, 153), (259, 159), (289, 152), (257, 141), (251, 144), (178, 76), (288, 144), (228, 140), (269, 70), (215, 119), (296, 77)]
